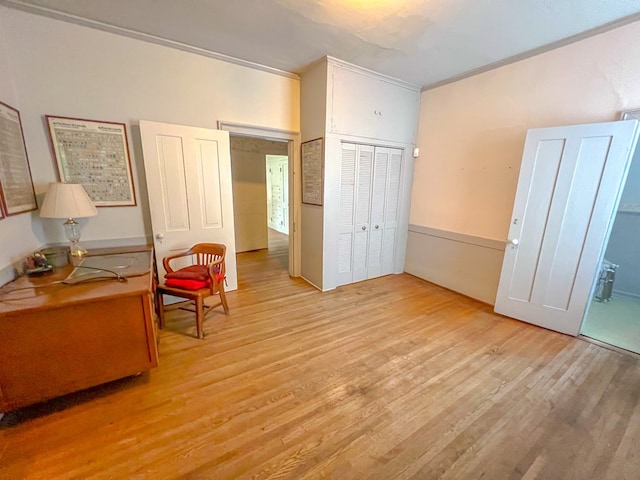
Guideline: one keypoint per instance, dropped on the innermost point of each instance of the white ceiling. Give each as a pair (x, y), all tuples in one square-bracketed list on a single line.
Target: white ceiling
[(424, 42)]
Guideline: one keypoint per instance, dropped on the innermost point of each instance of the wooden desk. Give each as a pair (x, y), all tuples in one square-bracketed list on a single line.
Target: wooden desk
[(57, 338)]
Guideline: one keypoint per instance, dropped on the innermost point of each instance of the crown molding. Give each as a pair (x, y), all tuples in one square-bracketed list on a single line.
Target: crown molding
[(145, 37)]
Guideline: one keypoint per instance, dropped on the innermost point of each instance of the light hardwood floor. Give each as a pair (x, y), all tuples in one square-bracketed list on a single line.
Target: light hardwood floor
[(385, 379)]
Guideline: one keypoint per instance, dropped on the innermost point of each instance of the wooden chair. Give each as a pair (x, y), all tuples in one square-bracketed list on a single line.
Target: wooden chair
[(211, 256)]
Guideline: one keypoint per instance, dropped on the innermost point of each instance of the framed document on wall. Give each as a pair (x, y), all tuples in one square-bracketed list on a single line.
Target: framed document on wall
[(16, 186), (96, 155), (312, 171)]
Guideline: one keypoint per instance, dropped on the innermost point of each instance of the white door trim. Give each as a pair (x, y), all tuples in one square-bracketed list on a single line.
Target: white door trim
[(295, 194)]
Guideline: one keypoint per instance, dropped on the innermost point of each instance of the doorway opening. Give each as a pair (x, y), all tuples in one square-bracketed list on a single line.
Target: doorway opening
[(277, 168), (613, 315), (263, 201)]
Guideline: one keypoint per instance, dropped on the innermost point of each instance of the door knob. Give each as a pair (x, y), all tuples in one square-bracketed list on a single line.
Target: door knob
[(364, 228), (159, 237), (377, 227), (514, 242)]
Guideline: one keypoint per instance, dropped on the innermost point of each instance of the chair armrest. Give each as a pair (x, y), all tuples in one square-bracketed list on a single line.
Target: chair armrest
[(166, 260), (213, 265), (216, 284)]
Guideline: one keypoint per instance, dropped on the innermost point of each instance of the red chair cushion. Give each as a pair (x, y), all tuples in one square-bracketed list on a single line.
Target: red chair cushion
[(193, 277), (192, 272), (186, 284)]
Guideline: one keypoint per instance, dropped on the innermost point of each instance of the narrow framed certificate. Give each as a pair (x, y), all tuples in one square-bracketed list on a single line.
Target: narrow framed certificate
[(16, 185), (312, 171), (96, 155)]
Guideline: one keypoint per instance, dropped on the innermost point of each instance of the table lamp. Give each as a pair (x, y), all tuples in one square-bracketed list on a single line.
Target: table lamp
[(70, 201)]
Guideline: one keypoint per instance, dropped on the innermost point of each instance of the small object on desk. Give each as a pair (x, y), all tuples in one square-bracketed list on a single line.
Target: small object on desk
[(57, 256), (36, 265), (39, 271)]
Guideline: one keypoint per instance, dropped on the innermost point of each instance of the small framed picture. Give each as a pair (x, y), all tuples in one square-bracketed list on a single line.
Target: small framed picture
[(96, 155), (312, 171), (16, 185)]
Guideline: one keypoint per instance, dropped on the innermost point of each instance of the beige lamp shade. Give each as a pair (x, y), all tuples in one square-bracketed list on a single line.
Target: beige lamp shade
[(67, 200)]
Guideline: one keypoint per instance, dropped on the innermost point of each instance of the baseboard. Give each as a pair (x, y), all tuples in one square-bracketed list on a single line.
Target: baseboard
[(463, 263), (311, 283), (620, 293)]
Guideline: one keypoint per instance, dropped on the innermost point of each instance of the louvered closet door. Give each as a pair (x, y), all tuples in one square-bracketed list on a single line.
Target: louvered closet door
[(384, 211), (369, 204), (356, 171), (379, 191), (346, 213), (362, 211)]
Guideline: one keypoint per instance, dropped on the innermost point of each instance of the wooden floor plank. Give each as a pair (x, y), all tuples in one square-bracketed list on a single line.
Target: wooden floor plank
[(392, 378)]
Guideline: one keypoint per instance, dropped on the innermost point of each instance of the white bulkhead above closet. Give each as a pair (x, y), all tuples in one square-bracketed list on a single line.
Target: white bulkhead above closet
[(368, 123)]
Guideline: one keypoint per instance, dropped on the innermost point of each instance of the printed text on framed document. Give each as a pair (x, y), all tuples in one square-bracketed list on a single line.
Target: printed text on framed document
[(96, 155), (16, 186)]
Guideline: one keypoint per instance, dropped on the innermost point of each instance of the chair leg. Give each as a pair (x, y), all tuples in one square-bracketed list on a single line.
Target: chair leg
[(199, 315), (223, 299)]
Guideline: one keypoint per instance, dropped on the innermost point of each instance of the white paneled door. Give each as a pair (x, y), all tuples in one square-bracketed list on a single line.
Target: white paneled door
[(188, 172), (568, 190)]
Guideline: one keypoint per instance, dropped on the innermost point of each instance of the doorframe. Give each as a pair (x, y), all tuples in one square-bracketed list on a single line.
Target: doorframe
[(624, 115), (630, 115), (295, 195)]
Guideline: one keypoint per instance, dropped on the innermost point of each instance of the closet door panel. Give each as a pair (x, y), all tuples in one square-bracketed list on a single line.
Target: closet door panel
[(370, 180), (377, 220), (346, 212), (345, 250), (374, 255), (388, 251), (364, 174), (391, 210), (392, 195)]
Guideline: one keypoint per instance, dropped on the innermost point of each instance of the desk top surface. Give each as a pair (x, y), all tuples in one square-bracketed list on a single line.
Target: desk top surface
[(36, 293)]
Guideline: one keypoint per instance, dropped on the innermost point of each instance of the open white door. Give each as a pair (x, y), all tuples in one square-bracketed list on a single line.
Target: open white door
[(188, 172), (569, 186)]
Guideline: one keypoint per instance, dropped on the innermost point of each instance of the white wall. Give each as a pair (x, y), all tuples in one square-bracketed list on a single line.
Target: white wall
[(313, 119), (471, 132), (18, 233), (63, 69)]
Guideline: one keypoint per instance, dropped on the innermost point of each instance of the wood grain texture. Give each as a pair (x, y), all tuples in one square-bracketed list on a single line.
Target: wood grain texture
[(57, 338), (393, 378)]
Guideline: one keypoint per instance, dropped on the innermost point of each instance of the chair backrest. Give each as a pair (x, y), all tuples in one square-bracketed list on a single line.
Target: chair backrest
[(205, 253)]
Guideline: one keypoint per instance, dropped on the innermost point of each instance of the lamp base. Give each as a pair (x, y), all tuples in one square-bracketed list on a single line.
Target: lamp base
[(72, 230), (78, 251)]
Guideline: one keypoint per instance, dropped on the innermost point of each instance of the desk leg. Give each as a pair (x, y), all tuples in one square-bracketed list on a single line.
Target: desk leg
[(160, 307)]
